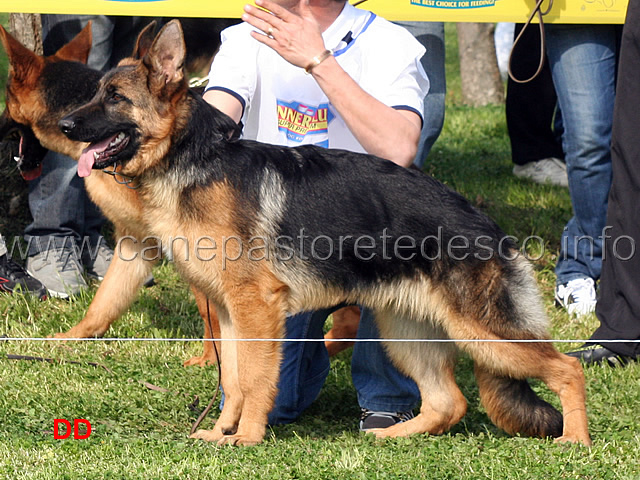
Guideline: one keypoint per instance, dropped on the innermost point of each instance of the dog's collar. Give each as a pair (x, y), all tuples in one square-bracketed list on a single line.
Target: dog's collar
[(121, 178)]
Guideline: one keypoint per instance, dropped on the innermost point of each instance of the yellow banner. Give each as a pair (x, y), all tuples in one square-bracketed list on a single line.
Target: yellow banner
[(563, 11)]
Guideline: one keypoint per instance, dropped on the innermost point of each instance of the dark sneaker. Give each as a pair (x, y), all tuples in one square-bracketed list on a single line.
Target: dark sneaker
[(13, 278), (96, 260), (59, 270), (577, 297), (370, 419), (594, 354)]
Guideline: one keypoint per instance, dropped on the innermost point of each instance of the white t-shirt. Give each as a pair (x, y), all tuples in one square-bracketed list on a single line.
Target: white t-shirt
[(285, 106)]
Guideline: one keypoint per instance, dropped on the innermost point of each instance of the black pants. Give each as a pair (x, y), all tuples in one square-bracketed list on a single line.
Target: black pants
[(618, 307), (530, 106)]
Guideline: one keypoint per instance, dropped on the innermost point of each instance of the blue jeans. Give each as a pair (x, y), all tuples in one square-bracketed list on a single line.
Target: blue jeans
[(305, 367), (61, 209), (431, 36), (59, 204), (583, 60)]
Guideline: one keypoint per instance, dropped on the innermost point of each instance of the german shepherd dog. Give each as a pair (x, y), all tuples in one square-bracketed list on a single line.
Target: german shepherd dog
[(278, 243), (40, 91)]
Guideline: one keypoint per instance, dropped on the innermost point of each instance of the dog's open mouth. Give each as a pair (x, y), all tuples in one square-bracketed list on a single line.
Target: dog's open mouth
[(101, 154), (28, 172)]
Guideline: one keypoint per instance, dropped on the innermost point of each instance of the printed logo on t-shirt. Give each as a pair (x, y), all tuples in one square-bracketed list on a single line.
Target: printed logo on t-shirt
[(299, 122)]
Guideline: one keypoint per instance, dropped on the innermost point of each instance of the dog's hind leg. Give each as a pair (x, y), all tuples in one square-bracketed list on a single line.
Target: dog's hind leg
[(527, 414), (211, 330), (431, 366), (501, 304)]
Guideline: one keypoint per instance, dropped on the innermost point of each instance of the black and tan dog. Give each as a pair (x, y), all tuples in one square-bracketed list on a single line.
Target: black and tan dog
[(261, 234), (40, 91)]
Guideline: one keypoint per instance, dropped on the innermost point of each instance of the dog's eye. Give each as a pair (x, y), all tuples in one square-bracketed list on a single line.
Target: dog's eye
[(116, 97)]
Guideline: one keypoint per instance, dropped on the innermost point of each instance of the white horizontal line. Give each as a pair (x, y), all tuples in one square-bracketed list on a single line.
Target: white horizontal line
[(359, 340)]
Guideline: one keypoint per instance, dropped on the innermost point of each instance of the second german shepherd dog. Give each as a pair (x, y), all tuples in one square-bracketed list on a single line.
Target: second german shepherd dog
[(41, 90), (275, 241)]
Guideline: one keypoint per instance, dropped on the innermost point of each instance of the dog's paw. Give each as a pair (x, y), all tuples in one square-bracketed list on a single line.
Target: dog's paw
[(201, 361), (60, 335), (219, 438), (76, 332), (586, 441), (207, 435), (239, 440), (387, 432)]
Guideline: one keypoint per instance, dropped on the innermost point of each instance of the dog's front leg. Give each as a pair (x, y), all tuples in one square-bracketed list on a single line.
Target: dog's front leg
[(124, 278), (227, 423), (256, 313)]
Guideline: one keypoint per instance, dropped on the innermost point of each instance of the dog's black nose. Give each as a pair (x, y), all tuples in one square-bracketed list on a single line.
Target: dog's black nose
[(66, 125)]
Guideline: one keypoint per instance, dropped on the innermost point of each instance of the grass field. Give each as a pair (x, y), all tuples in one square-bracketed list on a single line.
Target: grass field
[(141, 432)]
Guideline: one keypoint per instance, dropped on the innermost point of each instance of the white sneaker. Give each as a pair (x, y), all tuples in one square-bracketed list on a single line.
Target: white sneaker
[(549, 170), (578, 296)]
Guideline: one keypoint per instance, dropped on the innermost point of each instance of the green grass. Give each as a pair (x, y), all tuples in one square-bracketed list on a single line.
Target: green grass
[(142, 433)]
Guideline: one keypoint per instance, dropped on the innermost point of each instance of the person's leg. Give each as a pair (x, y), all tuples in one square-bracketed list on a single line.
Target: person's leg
[(304, 369), (379, 385), (305, 366), (56, 201), (618, 307), (530, 107), (583, 66), (431, 36)]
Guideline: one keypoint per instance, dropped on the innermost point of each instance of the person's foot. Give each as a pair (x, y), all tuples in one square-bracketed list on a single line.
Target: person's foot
[(577, 297), (594, 354), (59, 270), (13, 278), (548, 170), (370, 419)]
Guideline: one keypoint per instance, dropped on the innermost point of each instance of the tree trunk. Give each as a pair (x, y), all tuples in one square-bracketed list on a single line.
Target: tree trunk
[(479, 73), (26, 27)]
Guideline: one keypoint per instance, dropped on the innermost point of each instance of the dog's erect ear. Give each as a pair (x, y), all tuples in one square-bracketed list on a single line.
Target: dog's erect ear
[(144, 41), (165, 59), (23, 63), (77, 50)]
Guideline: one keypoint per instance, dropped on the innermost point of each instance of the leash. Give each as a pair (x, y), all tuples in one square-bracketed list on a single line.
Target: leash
[(10, 356), (537, 11), (205, 412)]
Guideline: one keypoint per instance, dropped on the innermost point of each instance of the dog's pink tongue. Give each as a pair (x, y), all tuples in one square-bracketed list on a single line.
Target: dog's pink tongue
[(87, 158), (85, 162)]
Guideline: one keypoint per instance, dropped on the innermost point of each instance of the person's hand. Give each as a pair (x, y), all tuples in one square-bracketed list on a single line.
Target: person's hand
[(294, 34)]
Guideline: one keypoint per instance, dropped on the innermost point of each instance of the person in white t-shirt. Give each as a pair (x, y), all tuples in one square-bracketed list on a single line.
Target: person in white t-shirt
[(326, 73)]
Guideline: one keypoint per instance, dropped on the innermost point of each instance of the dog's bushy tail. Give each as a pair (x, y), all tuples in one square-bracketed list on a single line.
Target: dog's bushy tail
[(514, 407)]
